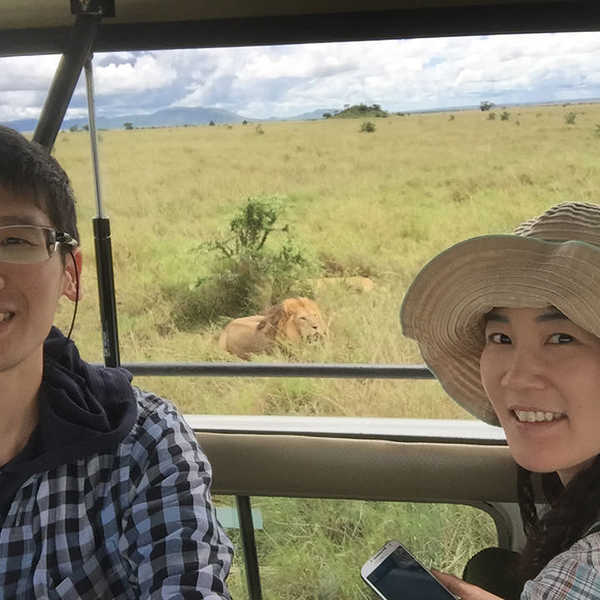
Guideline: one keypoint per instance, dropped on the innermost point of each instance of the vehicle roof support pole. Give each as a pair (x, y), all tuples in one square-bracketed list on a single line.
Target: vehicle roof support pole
[(249, 543), (65, 79), (102, 242)]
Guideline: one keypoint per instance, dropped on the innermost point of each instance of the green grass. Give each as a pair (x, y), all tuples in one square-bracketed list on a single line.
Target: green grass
[(378, 205), (327, 541)]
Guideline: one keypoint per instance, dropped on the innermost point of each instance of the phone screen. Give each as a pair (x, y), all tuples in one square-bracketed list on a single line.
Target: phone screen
[(401, 577)]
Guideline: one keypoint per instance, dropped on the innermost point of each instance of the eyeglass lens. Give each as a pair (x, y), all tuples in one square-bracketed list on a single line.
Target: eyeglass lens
[(21, 244)]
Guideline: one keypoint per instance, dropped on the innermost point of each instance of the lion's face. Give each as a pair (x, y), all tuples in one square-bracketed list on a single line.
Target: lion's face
[(303, 320)]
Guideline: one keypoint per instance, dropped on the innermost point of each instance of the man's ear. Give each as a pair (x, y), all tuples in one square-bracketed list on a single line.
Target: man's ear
[(70, 284)]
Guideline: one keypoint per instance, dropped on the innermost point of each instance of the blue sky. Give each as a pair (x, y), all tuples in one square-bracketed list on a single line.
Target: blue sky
[(284, 81)]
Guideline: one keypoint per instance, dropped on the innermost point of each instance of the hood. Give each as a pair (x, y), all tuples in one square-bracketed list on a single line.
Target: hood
[(83, 409)]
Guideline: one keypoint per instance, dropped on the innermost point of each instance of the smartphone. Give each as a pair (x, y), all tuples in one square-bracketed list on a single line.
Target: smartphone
[(397, 575)]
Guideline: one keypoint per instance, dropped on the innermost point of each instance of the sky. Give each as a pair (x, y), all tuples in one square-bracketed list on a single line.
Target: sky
[(283, 81)]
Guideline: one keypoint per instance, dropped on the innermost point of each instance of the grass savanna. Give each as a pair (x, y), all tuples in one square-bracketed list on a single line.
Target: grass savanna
[(377, 205)]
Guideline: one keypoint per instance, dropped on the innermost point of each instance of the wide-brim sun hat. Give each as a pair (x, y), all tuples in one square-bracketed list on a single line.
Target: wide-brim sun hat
[(550, 260)]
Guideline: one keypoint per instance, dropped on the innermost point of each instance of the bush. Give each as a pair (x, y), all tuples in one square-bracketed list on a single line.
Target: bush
[(570, 118), (504, 116), (259, 129), (492, 116), (367, 126), (451, 118), (248, 274)]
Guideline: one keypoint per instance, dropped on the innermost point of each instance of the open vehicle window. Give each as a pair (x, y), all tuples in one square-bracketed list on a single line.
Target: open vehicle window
[(238, 177), (315, 548)]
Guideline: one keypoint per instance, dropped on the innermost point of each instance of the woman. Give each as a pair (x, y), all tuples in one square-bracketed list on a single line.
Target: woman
[(510, 325)]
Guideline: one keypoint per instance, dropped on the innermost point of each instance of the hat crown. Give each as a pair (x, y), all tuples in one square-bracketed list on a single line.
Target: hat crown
[(569, 221)]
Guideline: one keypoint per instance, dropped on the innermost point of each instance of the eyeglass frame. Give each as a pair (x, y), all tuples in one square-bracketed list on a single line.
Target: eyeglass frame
[(57, 239)]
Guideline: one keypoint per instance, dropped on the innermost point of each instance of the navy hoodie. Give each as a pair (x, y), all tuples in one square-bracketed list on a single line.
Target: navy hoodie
[(83, 409)]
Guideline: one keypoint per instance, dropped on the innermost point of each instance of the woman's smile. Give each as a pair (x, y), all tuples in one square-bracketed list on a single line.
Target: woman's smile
[(541, 372)]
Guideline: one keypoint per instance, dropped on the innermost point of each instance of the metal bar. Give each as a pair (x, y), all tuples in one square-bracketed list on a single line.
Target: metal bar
[(65, 79), (215, 369), (89, 83), (106, 292), (102, 242), (249, 544)]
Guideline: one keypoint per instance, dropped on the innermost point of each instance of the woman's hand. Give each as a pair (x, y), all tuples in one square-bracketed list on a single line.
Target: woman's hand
[(462, 589)]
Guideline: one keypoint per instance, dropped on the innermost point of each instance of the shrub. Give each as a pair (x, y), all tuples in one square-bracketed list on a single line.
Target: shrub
[(492, 116), (247, 274), (597, 130), (451, 118), (259, 129), (570, 118), (367, 126), (504, 115)]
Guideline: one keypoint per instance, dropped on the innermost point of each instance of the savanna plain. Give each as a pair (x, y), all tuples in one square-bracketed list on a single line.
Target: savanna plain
[(377, 204)]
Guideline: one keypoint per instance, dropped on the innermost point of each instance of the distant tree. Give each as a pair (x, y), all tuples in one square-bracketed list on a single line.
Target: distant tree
[(85, 127), (212, 124), (244, 122), (74, 128), (486, 105), (327, 115), (367, 127), (128, 125)]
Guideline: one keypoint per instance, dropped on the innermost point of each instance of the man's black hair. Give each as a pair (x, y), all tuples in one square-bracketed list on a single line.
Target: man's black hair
[(28, 168)]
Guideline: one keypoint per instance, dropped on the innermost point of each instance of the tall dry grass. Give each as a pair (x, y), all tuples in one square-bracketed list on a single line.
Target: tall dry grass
[(377, 204)]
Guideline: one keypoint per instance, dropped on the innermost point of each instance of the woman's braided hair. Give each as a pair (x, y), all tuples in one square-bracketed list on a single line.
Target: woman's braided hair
[(572, 510)]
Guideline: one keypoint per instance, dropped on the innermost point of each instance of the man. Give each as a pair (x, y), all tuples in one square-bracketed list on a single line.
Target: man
[(104, 492)]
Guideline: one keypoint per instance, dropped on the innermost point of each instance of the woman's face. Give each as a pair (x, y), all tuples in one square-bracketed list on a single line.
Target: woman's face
[(542, 375)]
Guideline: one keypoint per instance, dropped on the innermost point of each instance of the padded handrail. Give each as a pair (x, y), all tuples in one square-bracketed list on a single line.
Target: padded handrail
[(362, 469)]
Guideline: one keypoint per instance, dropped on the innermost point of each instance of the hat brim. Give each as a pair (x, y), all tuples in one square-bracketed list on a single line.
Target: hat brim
[(444, 309)]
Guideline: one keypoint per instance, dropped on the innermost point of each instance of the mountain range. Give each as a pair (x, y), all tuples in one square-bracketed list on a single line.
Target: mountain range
[(169, 117)]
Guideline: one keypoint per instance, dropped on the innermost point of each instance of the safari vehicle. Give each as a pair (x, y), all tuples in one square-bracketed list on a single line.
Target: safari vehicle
[(343, 458)]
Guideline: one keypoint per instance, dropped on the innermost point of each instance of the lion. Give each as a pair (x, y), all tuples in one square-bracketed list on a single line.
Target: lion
[(294, 320)]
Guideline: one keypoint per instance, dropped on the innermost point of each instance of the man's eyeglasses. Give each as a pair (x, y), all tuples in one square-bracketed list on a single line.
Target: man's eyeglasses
[(29, 244)]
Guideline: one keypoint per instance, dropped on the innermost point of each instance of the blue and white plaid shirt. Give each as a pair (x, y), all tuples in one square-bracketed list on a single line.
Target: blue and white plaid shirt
[(137, 522), (572, 575)]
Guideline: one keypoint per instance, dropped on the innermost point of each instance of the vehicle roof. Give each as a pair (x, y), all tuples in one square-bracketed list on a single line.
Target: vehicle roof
[(34, 27)]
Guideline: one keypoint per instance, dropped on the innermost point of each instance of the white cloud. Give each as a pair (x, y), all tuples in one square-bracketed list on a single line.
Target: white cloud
[(145, 72)]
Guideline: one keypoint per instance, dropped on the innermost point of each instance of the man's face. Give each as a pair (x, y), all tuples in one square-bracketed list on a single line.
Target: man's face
[(29, 293)]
